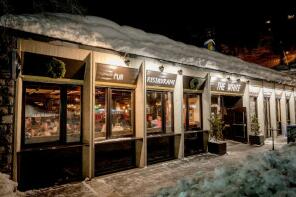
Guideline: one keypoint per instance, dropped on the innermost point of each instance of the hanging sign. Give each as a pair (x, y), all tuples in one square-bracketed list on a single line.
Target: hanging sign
[(228, 86), (267, 92), (116, 74), (254, 90), (154, 78), (288, 91), (193, 83), (288, 94), (278, 93)]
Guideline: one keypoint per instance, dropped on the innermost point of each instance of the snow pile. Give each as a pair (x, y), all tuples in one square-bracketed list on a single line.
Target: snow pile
[(7, 186), (99, 32), (272, 173)]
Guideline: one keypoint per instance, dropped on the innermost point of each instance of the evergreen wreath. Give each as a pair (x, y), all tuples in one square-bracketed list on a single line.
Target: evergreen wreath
[(194, 83), (55, 68)]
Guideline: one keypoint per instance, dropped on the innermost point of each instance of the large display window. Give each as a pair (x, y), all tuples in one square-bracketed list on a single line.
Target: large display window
[(159, 111), (52, 113), (114, 113)]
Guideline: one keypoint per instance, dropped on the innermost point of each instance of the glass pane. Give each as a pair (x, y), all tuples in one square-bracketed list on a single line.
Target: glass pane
[(122, 111), (73, 114), (278, 110), (215, 108), (184, 111), (194, 111), (253, 106), (100, 114), (288, 111), (168, 109), (154, 112), (42, 114)]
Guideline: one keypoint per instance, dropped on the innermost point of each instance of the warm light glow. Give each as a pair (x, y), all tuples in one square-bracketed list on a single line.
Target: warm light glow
[(291, 16)]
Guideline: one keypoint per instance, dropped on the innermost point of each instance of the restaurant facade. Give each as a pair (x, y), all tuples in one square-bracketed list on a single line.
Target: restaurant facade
[(112, 111)]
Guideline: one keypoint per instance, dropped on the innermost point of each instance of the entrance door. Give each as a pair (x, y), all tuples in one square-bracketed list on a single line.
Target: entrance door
[(234, 117), (235, 124), (267, 122), (239, 125)]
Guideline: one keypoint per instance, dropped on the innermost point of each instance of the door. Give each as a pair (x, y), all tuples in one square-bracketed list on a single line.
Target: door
[(239, 124), (267, 123), (235, 124)]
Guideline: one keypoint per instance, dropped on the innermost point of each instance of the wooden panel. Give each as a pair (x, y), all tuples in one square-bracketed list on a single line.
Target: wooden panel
[(43, 168), (52, 50)]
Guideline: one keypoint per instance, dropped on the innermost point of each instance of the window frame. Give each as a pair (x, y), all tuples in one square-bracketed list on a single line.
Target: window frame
[(163, 129), (186, 126), (62, 112), (108, 103)]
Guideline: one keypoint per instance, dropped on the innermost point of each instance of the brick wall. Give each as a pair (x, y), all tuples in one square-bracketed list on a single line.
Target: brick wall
[(7, 87)]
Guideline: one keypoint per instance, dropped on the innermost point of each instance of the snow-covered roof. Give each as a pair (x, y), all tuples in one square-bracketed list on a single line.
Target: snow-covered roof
[(99, 32)]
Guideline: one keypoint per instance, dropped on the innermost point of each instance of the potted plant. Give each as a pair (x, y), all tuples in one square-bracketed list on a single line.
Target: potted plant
[(255, 137), (216, 144)]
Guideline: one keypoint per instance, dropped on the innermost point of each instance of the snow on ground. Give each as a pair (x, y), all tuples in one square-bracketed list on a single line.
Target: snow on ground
[(7, 187), (271, 173), (99, 32)]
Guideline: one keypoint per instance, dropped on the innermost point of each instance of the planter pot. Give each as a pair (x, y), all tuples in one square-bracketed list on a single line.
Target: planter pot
[(256, 139), (218, 148)]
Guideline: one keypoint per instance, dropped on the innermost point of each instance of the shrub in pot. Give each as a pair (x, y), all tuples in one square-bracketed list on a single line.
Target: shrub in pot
[(216, 144), (256, 137)]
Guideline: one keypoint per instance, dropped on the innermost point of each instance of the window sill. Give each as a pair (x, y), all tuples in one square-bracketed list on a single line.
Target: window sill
[(195, 131), (117, 140), (50, 147), (162, 135)]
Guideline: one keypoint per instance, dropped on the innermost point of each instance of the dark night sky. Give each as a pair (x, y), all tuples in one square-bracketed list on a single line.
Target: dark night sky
[(238, 23)]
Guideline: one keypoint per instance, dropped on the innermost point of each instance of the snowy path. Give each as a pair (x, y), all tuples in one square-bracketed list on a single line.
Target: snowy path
[(145, 182)]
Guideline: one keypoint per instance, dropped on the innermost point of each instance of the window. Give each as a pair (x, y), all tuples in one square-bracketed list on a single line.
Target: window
[(278, 110), (114, 113), (215, 104), (159, 112), (100, 113), (52, 113), (73, 114), (253, 106), (122, 113), (288, 111), (192, 111)]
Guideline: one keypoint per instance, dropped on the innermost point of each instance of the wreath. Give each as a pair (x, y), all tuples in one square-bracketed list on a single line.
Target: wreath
[(55, 68), (194, 83)]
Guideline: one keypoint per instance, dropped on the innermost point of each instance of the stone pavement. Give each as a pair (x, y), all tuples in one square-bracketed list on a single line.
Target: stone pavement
[(147, 181)]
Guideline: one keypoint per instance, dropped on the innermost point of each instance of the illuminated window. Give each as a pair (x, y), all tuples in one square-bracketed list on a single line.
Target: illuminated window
[(192, 111), (122, 113), (100, 113), (159, 108), (52, 113), (73, 114), (114, 113)]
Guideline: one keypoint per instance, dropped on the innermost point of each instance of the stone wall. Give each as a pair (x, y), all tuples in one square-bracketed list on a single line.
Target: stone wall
[(7, 92)]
